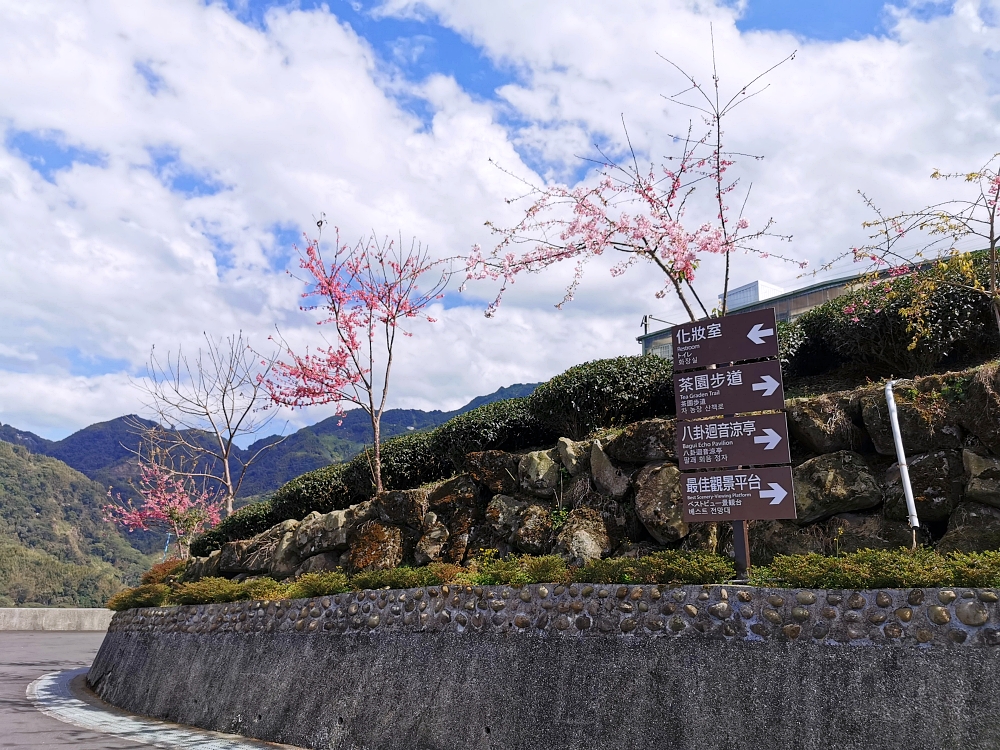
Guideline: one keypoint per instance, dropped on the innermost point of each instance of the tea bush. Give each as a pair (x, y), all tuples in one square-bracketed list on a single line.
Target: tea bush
[(322, 490), (244, 523), (604, 393), (408, 461), (503, 425)]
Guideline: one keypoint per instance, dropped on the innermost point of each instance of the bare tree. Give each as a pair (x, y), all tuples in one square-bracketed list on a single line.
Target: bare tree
[(202, 407)]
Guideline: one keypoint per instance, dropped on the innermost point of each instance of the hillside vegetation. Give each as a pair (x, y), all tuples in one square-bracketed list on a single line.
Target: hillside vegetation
[(55, 548)]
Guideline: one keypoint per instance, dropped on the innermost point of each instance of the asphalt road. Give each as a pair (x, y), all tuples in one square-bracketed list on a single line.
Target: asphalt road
[(25, 656)]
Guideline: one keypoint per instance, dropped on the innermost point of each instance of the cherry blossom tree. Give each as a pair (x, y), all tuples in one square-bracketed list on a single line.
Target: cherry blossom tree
[(202, 407), (933, 261), (639, 213), (169, 503), (367, 292)]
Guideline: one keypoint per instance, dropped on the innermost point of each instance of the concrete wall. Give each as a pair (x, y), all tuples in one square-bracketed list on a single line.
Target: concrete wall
[(581, 667), (41, 618)]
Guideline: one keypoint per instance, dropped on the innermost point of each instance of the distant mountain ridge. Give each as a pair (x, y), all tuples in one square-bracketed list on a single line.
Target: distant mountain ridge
[(105, 452)]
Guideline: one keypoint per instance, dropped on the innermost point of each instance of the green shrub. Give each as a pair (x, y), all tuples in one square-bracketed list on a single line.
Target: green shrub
[(408, 461), (670, 567), (159, 573), (871, 326), (503, 425), (320, 490), (244, 523), (146, 595), (395, 578), (318, 584), (872, 569), (209, 591), (604, 393), (265, 588)]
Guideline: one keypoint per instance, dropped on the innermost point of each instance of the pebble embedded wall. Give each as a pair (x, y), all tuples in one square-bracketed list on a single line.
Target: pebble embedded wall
[(584, 666), (912, 616)]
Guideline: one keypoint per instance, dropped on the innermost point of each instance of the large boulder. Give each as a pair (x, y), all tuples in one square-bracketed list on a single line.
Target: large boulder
[(828, 423), (402, 507), (255, 556), (580, 493), (973, 527), (329, 532), (321, 563), (838, 482), (583, 537), (658, 502), (503, 515), (538, 472), (608, 479), (925, 425), (936, 480), (452, 494), (979, 413), (285, 558), (375, 546), (534, 531), (432, 540), (983, 478), (494, 470), (203, 567), (573, 455), (771, 538), (642, 442)]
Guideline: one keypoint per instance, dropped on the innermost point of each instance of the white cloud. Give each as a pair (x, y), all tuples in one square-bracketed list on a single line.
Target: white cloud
[(301, 118)]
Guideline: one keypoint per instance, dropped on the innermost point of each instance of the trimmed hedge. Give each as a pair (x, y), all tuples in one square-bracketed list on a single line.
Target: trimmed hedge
[(869, 326), (604, 393), (503, 425), (323, 490), (881, 569), (408, 461), (244, 523)]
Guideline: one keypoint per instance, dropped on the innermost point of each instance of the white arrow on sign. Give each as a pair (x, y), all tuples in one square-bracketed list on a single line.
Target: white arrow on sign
[(767, 384), (776, 493), (770, 437), (758, 333)]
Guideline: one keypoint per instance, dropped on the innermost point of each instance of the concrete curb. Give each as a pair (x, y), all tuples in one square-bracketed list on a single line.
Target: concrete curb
[(43, 618), (65, 697)]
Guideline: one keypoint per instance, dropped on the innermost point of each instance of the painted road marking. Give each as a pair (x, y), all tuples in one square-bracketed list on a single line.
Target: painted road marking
[(53, 696)]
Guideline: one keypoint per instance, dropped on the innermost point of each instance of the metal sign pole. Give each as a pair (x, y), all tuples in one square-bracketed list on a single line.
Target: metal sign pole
[(904, 471), (741, 546)]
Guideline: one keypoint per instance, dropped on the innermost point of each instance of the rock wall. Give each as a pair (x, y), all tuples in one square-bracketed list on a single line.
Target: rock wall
[(620, 494), (576, 666)]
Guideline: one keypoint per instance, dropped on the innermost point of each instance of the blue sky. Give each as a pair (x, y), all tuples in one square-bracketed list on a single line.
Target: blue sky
[(158, 165)]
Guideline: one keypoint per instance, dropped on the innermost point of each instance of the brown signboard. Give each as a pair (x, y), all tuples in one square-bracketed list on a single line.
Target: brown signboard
[(733, 338), (754, 440), (738, 495), (729, 390)]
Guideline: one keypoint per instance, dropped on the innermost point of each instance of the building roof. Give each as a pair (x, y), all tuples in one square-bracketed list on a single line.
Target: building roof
[(817, 287)]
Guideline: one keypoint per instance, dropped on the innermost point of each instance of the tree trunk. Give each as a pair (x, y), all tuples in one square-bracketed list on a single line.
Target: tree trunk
[(377, 463)]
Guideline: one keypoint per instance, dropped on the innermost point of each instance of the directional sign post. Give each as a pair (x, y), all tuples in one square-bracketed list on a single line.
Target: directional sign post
[(729, 390), (756, 440), (726, 376), (716, 341), (738, 495)]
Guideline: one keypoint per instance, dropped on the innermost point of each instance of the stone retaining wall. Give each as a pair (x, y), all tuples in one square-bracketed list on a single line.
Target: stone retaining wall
[(577, 666), (53, 618)]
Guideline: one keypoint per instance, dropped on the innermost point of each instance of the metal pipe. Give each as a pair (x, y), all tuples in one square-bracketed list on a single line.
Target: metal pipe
[(904, 472)]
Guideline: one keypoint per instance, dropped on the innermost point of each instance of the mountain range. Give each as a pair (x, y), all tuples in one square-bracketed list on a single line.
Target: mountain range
[(105, 452), (56, 548)]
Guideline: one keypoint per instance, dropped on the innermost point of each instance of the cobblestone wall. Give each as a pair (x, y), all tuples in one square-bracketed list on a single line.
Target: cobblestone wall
[(579, 666), (912, 616)]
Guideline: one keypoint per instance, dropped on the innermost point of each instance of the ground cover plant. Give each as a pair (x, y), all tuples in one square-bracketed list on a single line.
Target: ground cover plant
[(865, 569)]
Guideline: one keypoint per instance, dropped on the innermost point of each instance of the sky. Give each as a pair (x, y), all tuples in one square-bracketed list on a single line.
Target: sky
[(160, 164)]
